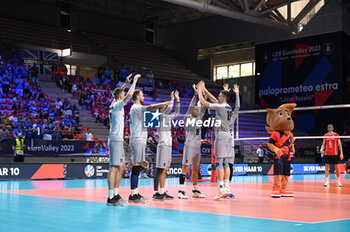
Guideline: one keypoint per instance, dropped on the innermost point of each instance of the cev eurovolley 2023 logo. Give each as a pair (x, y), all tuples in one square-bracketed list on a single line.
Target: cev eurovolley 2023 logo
[(89, 170)]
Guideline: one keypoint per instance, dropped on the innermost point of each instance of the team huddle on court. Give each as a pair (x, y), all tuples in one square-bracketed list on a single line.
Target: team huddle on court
[(281, 143)]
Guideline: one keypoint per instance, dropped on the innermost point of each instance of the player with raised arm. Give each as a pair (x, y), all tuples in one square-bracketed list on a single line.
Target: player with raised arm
[(192, 147), (234, 117), (116, 141), (138, 141), (164, 148), (331, 143), (223, 139)]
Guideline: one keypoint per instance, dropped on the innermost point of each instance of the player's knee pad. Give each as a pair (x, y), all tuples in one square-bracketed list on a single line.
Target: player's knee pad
[(136, 170), (219, 164)]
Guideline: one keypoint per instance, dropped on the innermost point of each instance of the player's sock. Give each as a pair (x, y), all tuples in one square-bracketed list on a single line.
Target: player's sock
[(195, 187), (156, 178), (161, 190), (134, 191), (116, 192), (327, 179), (221, 184), (182, 187), (110, 194), (226, 183)]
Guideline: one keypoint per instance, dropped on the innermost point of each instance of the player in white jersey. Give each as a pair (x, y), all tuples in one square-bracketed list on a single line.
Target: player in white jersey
[(116, 140), (223, 139), (164, 148), (234, 117), (192, 147), (138, 140)]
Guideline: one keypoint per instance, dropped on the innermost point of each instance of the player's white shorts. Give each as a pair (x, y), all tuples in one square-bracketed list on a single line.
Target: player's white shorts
[(192, 155), (116, 152), (231, 160), (223, 147), (164, 156), (138, 151)]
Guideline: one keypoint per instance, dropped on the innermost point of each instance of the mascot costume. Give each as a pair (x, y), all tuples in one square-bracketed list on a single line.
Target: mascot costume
[(281, 144)]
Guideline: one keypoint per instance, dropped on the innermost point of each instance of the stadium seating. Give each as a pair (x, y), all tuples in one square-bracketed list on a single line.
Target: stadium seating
[(40, 35)]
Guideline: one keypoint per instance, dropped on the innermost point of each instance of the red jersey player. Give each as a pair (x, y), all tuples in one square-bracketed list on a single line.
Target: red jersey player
[(331, 142)]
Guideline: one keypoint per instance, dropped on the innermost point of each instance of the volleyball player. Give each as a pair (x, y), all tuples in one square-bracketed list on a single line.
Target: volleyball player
[(116, 141), (192, 147), (164, 147), (234, 117), (138, 140), (223, 139), (331, 143)]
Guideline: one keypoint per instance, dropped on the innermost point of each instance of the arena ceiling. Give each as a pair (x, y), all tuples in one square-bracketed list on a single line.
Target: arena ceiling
[(169, 12)]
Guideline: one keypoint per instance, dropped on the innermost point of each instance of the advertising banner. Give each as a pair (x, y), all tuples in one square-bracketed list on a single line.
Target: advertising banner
[(57, 148), (307, 71)]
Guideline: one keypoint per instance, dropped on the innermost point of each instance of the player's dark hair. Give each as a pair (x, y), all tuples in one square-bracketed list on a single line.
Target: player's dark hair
[(226, 94), (117, 92), (136, 94), (330, 124)]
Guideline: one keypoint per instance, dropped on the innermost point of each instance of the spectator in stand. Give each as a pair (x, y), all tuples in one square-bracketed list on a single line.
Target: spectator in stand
[(5, 85), (4, 133), (13, 118), (58, 105), (150, 78), (97, 116), (76, 113), (56, 131), (67, 121), (44, 101), (25, 72), (108, 73), (74, 89), (15, 59), (62, 69), (68, 111), (18, 130), (25, 89), (19, 85), (5, 120), (54, 70), (154, 94), (29, 133), (67, 133), (88, 135), (123, 74), (101, 70), (34, 71), (180, 134), (45, 110), (33, 109), (52, 114), (66, 103)]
